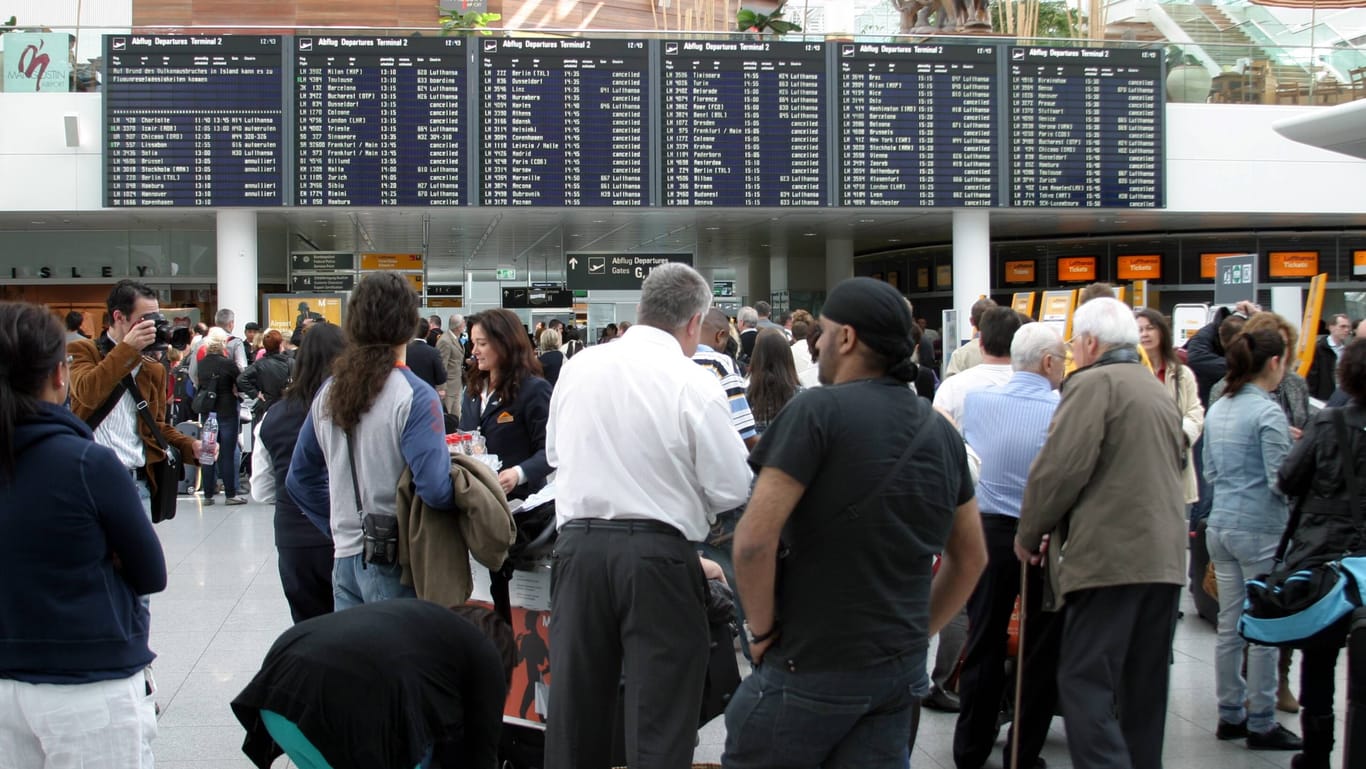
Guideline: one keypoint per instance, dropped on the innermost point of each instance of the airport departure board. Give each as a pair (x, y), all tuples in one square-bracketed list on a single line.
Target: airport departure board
[(564, 122), (1086, 127), (918, 125), (193, 120), (380, 121), (744, 123)]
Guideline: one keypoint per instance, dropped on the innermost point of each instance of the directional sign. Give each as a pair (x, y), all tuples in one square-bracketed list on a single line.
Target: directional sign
[(507, 273), (325, 284), (621, 272), (1235, 279)]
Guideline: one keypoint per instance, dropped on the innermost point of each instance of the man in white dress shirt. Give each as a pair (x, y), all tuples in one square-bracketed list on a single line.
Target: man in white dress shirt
[(646, 457)]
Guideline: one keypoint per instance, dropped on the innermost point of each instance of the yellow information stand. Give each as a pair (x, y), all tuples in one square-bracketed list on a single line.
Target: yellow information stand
[(1313, 309), (1023, 302), (1057, 310)]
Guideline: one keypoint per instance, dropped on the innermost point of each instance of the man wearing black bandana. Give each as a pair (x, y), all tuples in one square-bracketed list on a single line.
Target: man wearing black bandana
[(860, 484), (1105, 505)]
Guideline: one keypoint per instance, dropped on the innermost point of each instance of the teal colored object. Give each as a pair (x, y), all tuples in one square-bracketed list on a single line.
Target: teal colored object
[(287, 735), (295, 745)]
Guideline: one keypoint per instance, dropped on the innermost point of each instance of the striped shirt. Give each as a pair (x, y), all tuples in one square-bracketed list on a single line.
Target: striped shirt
[(1006, 425), (724, 368), (119, 431)]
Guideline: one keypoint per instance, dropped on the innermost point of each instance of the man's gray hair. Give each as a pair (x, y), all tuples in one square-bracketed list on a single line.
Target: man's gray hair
[(747, 317), (671, 295), (224, 317), (1031, 343), (456, 321), (1108, 321)]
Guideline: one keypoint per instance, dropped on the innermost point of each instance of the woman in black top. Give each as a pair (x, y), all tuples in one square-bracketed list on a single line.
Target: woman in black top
[(220, 374), (551, 358), (1314, 472), (305, 552), (264, 381)]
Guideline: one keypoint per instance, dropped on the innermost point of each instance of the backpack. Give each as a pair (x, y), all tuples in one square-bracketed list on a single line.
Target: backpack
[(180, 393), (573, 347)]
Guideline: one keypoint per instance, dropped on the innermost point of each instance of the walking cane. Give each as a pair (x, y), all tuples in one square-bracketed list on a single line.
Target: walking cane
[(1019, 668)]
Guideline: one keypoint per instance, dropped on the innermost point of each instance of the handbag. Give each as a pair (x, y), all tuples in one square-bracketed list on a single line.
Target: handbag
[(206, 398), (379, 532), (164, 476), (1289, 606)]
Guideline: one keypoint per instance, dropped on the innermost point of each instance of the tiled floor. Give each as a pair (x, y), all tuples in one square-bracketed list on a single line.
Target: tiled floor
[(223, 608)]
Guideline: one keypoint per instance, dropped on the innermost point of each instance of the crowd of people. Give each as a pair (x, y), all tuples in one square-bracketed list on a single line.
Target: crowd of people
[(858, 506)]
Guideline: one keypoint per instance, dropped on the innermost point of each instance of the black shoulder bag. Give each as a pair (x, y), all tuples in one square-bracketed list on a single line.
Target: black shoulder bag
[(164, 476), (379, 532), (206, 398)]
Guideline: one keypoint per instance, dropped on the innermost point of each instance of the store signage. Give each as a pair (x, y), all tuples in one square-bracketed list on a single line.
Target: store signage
[(1020, 271), (1294, 264), (1077, 269), (1139, 267)]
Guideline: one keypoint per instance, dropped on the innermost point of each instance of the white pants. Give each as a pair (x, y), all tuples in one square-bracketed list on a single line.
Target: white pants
[(102, 725)]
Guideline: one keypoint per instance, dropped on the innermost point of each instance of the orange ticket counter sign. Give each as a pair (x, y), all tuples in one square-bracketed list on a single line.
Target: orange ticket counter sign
[(1076, 269), (1139, 267), (1359, 262), (1293, 264), (1020, 272)]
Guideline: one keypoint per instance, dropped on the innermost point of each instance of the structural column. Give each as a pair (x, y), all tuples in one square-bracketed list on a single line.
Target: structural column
[(237, 270), (839, 261), (971, 262)]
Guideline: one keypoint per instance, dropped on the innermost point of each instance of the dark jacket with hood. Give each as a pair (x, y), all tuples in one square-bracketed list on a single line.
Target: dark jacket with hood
[(78, 550), (1313, 472)]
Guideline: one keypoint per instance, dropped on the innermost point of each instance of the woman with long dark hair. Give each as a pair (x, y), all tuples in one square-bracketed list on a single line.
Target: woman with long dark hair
[(1247, 438), (369, 421), (1315, 473), (508, 400), (78, 550), (305, 560), (1155, 337), (772, 377)]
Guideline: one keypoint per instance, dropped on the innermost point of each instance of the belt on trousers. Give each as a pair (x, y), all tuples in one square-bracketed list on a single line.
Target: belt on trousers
[(137, 473), (631, 526)]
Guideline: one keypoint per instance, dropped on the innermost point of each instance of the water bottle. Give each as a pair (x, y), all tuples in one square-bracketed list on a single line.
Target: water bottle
[(208, 438)]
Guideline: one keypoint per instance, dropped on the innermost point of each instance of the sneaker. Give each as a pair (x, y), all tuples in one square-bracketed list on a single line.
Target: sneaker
[(237, 500), (1228, 731), (1279, 738)]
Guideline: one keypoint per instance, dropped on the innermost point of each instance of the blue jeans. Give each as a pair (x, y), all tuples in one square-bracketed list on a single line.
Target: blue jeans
[(145, 497), (857, 719), (355, 583), (1237, 557), (227, 462)]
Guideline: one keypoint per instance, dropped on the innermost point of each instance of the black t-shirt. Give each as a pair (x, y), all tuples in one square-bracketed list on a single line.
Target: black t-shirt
[(372, 687), (854, 590)]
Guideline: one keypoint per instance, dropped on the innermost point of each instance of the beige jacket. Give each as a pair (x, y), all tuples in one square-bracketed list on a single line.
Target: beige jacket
[(1107, 484), (434, 546), (1192, 419), (965, 357)]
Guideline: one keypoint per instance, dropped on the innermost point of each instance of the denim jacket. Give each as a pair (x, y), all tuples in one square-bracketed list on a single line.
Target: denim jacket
[(1247, 437)]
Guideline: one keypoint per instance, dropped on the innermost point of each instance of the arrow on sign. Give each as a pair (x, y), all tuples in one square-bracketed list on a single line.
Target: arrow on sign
[(573, 263)]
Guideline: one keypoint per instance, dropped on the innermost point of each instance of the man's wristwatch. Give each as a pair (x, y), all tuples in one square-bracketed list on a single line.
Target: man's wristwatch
[(752, 639)]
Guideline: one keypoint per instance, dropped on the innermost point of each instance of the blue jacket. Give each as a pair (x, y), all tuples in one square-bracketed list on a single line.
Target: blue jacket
[(514, 431), (1247, 438), (68, 615)]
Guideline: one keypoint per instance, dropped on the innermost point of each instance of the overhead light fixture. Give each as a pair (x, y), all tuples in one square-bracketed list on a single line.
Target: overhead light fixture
[(867, 221), (893, 240), (809, 234), (713, 229)]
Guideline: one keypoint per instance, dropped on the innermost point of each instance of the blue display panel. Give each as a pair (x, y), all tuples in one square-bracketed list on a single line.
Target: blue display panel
[(1086, 127), (193, 120), (744, 123), (918, 125), (564, 122), (380, 121)]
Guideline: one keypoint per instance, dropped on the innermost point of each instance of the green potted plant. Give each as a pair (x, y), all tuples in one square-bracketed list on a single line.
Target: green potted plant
[(770, 23), (1188, 82), (469, 21)]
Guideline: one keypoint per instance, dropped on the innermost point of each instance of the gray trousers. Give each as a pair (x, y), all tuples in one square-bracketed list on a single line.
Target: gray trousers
[(628, 614), (952, 639), (1114, 673)]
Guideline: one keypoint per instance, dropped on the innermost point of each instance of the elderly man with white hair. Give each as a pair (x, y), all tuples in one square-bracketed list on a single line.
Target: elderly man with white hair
[(1007, 425), (1106, 492)]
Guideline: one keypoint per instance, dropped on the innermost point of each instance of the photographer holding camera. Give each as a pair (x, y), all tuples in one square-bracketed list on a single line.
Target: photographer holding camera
[(137, 338)]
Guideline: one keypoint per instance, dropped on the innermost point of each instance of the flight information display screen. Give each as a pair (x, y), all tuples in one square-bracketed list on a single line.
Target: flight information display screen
[(744, 123), (1086, 127), (564, 122), (380, 121), (193, 120), (918, 125)]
